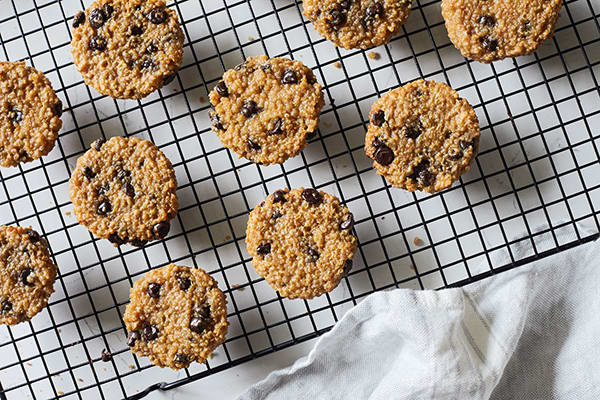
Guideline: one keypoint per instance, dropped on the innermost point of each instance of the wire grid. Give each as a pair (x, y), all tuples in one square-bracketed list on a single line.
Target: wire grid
[(535, 183)]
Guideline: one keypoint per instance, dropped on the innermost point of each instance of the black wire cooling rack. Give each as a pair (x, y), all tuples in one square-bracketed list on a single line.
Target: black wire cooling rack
[(535, 183)]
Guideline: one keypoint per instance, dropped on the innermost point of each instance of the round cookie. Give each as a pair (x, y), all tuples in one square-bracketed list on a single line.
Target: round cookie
[(29, 114), (301, 242), (176, 315), (491, 30), (356, 24), (422, 136), (124, 190), (127, 49), (264, 109), (27, 274)]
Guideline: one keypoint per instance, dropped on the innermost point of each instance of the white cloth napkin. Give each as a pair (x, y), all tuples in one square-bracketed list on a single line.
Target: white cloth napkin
[(530, 333)]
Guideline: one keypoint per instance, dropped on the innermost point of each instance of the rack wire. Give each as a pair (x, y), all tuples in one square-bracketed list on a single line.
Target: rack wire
[(535, 183)]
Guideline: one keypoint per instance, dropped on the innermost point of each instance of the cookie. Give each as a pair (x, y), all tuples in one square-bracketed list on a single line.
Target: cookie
[(491, 30), (356, 24), (301, 242), (29, 114), (422, 136), (124, 190), (27, 274), (264, 109), (127, 49), (176, 315)]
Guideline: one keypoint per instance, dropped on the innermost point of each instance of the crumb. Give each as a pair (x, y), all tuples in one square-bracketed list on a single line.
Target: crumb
[(412, 267), (210, 356), (382, 218), (79, 380), (373, 55), (326, 124), (237, 286), (337, 64), (68, 213), (58, 330), (202, 99), (60, 392), (28, 364), (131, 367), (417, 241), (104, 369), (250, 38), (227, 237)]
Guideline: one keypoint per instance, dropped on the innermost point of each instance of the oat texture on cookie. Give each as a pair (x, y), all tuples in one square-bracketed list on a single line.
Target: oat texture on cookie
[(176, 316), (264, 109), (301, 241), (124, 190), (357, 24), (127, 48), (422, 136), (491, 30), (30, 114), (27, 274)]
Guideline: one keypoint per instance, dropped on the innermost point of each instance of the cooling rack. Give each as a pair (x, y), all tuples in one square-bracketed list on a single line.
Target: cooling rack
[(537, 176)]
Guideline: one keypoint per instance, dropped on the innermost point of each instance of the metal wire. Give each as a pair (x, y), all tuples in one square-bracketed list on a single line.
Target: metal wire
[(535, 182)]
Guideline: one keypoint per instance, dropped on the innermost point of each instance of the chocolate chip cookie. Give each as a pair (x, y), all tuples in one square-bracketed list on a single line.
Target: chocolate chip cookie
[(491, 30), (124, 190), (422, 136), (357, 24), (29, 114), (264, 109), (176, 315), (301, 242), (27, 274), (127, 49)]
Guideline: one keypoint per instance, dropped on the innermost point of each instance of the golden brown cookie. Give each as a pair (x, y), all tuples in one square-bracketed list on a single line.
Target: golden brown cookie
[(176, 315), (124, 190), (29, 114), (264, 109), (301, 242), (422, 136), (127, 49), (491, 30), (27, 274), (357, 24)]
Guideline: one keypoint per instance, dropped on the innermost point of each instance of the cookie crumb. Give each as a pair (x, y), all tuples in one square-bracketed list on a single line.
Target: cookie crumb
[(68, 213), (131, 367), (417, 241), (411, 267), (79, 380), (228, 237), (28, 364), (373, 55), (250, 38), (60, 392), (337, 64), (202, 99)]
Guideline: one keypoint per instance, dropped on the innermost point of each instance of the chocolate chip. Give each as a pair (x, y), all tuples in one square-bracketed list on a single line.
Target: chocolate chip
[(216, 120), (34, 237), (184, 282), (312, 253), (157, 16), (310, 77), (289, 77), (525, 28), (129, 190), (373, 11), (464, 144), (378, 117), (345, 5), (276, 215), (376, 142), (78, 19), (348, 223), (457, 155), (312, 196), (422, 174), (161, 230), (132, 337), (6, 306), (105, 356), (249, 108), (137, 30), (277, 127), (264, 249), (337, 18), (102, 190), (487, 20), (413, 130), (279, 196), (15, 115), (383, 155), (97, 43), (154, 290), (180, 358), (89, 173), (138, 242), (221, 89), (97, 18), (169, 78), (108, 10), (151, 49), (488, 43), (311, 135), (24, 275), (146, 64), (150, 332), (199, 321), (98, 144), (253, 145), (197, 325), (58, 109), (123, 174), (104, 207), (347, 267), (116, 239)]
